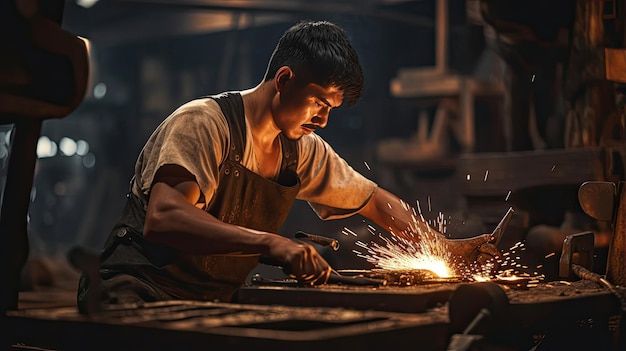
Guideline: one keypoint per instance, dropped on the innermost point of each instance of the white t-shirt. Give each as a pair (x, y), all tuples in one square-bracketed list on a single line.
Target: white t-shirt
[(196, 136)]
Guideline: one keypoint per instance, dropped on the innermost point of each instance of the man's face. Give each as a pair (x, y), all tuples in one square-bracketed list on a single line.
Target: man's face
[(302, 107)]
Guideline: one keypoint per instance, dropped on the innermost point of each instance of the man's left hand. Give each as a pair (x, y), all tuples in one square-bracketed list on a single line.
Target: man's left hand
[(476, 249)]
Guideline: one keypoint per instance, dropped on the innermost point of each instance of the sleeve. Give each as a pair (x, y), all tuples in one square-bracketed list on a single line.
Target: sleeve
[(195, 137), (331, 186)]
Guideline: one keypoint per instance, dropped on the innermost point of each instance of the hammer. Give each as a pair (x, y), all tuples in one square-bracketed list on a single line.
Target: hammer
[(318, 239)]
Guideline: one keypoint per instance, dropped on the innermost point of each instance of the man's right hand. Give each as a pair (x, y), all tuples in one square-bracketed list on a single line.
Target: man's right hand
[(301, 261)]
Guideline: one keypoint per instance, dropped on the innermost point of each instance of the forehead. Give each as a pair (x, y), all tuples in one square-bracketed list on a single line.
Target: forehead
[(331, 94), (312, 87)]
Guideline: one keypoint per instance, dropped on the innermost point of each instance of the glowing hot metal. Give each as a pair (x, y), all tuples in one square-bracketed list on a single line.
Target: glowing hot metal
[(431, 253)]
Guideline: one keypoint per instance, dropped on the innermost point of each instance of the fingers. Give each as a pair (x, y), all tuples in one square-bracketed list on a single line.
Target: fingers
[(483, 259), (489, 249), (309, 267), (487, 257), (488, 254), (321, 276)]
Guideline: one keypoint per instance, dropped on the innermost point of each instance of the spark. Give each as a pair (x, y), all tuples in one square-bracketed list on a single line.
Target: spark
[(429, 208), (532, 79), (368, 166), (550, 255), (439, 223), (553, 167), (419, 210), (347, 231), (430, 252), (404, 253), (486, 175), (467, 177), (361, 244), (486, 272), (404, 205), (507, 196)]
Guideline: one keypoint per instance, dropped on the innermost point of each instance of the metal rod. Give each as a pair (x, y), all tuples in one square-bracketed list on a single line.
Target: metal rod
[(498, 232)]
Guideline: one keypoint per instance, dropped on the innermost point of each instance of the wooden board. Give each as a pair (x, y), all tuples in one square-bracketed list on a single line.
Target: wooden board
[(410, 299), (191, 325)]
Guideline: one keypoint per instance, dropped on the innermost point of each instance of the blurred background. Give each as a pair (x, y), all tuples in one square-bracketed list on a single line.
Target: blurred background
[(470, 107)]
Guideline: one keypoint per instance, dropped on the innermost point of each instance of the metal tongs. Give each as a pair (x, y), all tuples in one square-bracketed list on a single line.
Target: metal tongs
[(335, 278), (498, 232)]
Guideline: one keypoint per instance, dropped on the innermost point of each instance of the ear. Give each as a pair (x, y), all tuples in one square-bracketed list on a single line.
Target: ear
[(283, 75)]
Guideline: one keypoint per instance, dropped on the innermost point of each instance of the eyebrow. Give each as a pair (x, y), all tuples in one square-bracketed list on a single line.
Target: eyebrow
[(325, 102)]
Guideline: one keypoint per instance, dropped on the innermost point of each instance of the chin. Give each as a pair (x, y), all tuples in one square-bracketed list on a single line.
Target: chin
[(292, 134), (294, 137)]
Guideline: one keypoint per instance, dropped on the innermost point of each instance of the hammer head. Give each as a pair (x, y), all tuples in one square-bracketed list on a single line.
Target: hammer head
[(577, 249)]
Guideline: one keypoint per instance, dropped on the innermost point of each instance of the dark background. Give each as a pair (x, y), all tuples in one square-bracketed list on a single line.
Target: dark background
[(154, 56)]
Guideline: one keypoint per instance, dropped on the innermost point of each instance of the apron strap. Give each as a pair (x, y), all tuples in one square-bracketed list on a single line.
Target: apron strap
[(231, 104)]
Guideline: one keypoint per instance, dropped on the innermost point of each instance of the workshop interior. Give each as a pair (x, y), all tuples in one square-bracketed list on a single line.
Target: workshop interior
[(485, 116)]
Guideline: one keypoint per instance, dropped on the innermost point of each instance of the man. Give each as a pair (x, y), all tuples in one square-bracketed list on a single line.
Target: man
[(216, 180)]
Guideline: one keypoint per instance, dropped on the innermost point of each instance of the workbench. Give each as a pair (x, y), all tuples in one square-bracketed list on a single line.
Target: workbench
[(574, 314)]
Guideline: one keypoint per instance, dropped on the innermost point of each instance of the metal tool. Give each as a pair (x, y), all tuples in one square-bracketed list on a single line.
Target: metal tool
[(258, 279), (577, 251), (335, 278), (318, 239), (577, 260), (465, 341), (498, 232)]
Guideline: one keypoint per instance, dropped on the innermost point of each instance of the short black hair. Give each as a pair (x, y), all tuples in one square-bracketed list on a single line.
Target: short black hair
[(323, 50)]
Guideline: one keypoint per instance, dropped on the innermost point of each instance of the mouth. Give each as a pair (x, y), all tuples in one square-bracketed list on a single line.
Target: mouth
[(309, 128)]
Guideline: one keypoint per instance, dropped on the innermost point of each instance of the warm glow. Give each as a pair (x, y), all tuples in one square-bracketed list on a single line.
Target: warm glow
[(408, 256), (430, 252)]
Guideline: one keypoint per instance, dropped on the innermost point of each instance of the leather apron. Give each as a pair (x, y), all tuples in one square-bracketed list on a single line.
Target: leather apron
[(242, 198)]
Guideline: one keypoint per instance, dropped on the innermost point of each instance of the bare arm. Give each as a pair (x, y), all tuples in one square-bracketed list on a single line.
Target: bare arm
[(392, 214), (172, 219)]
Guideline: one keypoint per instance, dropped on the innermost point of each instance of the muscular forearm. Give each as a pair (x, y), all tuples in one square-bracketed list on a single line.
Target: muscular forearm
[(172, 220)]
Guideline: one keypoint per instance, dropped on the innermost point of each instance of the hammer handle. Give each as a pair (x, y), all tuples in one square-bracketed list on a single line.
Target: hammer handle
[(318, 239)]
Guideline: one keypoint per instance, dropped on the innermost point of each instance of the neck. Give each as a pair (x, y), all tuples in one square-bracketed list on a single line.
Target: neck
[(257, 106)]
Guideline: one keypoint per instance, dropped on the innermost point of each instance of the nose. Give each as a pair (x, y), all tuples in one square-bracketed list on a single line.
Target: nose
[(321, 118)]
